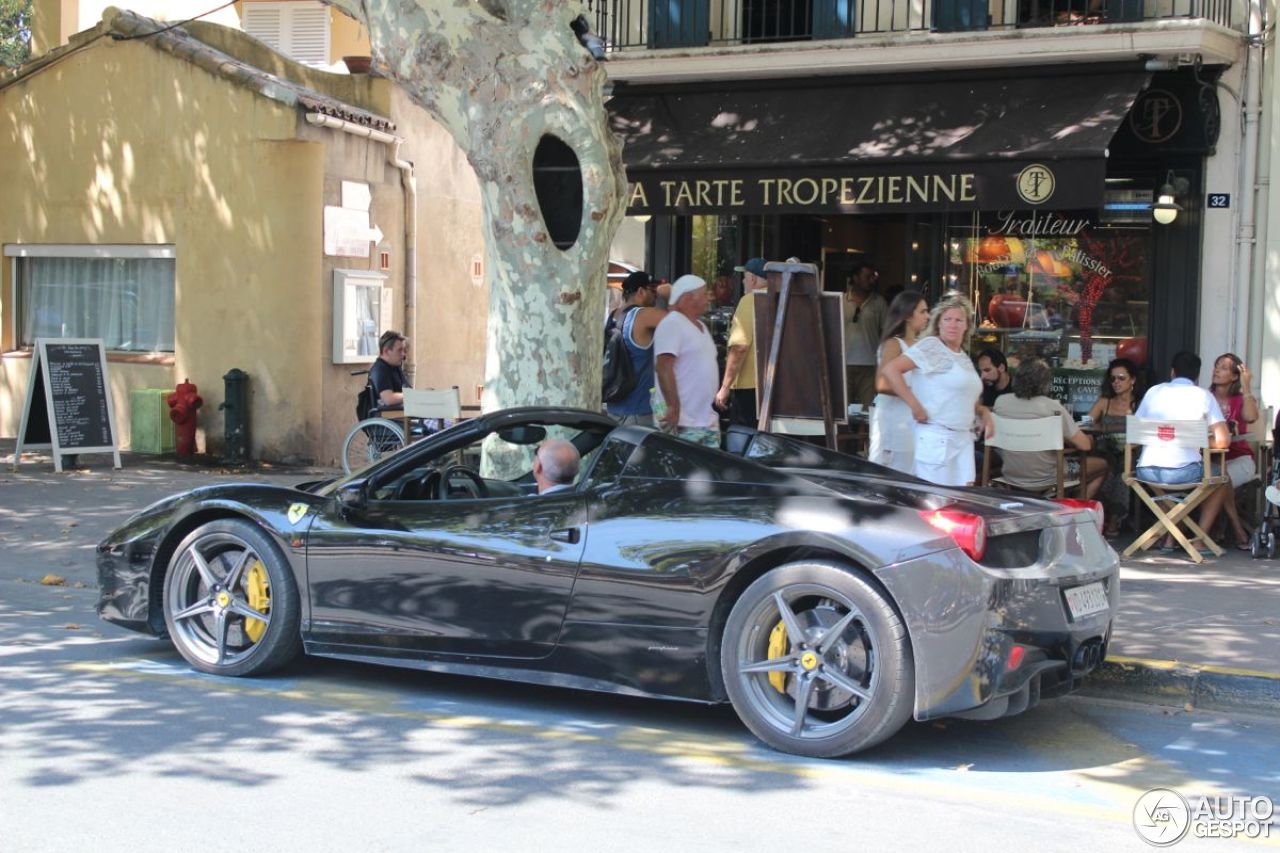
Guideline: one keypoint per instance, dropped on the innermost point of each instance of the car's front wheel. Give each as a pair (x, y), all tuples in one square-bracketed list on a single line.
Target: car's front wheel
[(816, 661), (230, 600)]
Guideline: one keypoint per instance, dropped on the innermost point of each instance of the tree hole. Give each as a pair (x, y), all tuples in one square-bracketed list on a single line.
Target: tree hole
[(557, 182)]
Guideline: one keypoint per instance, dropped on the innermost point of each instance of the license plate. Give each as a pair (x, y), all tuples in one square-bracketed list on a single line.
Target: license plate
[(1087, 600)]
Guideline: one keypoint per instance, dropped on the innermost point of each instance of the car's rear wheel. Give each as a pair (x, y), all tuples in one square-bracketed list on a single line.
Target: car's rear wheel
[(230, 600), (816, 661)]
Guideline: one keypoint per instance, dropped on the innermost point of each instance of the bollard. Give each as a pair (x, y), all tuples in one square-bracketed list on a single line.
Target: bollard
[(183, 404), (236, 406)]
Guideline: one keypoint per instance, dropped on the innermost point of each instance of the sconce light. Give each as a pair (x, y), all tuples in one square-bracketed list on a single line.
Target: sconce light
[(643, 217), (1166, 208)]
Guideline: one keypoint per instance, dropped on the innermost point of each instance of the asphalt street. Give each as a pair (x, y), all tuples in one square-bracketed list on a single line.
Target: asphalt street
[(110, 742)]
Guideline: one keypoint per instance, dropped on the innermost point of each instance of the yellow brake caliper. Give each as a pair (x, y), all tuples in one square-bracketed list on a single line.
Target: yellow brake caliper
[(258, 592), (778, 648)]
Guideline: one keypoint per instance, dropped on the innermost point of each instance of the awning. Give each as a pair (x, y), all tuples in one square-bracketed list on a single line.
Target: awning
[(874, 146)]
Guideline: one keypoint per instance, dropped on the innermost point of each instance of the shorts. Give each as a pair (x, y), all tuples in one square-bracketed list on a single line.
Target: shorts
[(1171, 476)]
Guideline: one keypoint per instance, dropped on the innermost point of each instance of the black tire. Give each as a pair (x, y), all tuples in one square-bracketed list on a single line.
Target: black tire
[(214, 600), (871, 652), (1271, 544)]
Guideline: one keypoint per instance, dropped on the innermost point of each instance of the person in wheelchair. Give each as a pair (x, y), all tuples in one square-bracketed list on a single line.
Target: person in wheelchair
[(387, 381)]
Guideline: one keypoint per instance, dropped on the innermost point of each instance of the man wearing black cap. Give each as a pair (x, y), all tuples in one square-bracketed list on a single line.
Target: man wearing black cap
[(637, 318), (738, 389)]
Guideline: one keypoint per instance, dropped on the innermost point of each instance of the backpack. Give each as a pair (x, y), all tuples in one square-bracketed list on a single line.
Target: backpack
[(618, 378), (364, 402)]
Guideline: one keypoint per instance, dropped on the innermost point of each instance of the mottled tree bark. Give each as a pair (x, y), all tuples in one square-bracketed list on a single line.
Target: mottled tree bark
[(498, 75)]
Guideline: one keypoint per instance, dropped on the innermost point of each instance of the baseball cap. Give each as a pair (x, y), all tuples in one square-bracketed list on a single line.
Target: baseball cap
[(684, 284), (755, 266), (635, 281)]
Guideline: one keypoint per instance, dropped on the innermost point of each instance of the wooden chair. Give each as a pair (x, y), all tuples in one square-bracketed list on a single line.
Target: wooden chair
[(1020, 435), (426, 403), (1187, 434)]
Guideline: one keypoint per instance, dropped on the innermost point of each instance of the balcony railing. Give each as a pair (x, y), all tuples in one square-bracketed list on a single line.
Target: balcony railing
[(698, 23)]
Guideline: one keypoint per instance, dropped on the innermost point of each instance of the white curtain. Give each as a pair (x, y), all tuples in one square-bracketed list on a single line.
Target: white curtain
[(369, 305), (128, 302)]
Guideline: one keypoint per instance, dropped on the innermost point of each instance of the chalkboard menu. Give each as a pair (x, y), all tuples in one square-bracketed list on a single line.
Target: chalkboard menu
[(68, 407)]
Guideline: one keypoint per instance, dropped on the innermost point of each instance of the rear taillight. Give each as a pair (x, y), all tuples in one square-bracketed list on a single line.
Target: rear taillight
[(967, 530), (1094, 507)]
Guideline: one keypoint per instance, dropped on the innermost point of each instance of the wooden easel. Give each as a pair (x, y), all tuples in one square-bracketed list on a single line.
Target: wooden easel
[(796, 280)]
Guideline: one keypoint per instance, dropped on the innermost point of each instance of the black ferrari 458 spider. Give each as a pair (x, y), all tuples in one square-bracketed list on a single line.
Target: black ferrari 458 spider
[(828, 599)]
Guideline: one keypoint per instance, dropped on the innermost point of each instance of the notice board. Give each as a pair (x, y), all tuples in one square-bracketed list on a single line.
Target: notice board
[(68, 407), (797, 389)]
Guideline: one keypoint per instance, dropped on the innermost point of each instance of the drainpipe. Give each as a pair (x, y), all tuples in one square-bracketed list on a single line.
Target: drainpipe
[(410, 183), (1246, 234), (1261, 268)]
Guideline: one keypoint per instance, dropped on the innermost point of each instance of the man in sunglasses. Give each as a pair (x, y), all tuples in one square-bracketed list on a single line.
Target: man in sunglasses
[(864, 314)]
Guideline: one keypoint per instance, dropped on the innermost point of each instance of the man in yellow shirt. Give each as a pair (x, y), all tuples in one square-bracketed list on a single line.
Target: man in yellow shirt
[(738, 390)]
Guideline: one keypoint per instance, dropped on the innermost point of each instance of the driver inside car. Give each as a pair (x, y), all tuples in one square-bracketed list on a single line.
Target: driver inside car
[(555, 465)]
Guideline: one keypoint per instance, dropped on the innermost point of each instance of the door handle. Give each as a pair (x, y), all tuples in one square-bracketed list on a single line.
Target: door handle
[(567, 534)]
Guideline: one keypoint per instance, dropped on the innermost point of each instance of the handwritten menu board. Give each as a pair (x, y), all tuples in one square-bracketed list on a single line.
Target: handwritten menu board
[(68, 405)]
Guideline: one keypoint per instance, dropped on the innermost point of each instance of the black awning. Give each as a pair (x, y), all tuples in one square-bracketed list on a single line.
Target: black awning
[(871, 146)]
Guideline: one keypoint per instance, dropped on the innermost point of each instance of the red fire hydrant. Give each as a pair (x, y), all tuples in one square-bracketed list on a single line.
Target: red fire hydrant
[(182, 411)]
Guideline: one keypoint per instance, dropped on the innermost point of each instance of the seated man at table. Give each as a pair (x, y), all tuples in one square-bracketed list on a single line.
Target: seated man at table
[(1036, 470), (1181, 399)]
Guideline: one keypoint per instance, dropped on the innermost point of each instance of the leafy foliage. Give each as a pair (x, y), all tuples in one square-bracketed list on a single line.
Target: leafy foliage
[(15, 32)]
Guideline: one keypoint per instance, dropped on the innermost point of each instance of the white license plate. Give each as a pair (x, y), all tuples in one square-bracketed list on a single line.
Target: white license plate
[(1087, 600)]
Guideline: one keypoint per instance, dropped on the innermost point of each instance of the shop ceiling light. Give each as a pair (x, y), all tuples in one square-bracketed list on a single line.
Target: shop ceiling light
[(1166, 208)]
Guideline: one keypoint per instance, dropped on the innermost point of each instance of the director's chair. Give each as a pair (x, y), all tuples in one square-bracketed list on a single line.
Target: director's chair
[(1186, 497)]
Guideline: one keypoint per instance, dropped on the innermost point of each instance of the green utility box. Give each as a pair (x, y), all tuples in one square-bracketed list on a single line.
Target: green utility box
[(151, 431)]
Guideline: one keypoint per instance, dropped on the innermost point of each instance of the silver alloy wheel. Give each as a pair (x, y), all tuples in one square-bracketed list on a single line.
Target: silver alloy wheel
[(830, 663), (206, 599)]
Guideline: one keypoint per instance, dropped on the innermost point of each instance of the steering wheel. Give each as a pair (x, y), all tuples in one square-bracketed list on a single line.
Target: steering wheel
[(474, 485)]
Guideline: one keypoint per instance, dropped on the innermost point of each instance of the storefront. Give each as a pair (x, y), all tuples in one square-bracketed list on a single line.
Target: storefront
[(1030, 193)]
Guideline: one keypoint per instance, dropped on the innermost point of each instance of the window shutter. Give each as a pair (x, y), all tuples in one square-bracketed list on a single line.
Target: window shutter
[(299, 30), (308, 34)]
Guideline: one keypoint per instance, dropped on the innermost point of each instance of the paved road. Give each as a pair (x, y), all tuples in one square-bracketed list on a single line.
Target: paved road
[(109, 742)]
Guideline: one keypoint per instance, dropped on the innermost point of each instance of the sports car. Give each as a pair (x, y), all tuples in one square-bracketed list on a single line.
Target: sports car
[(828, 599)]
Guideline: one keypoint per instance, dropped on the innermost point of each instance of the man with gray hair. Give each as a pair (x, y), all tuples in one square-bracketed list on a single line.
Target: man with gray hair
[(685, 365), (555, 465)]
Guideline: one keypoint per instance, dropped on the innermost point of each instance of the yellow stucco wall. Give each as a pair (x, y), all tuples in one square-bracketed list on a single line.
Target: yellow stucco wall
[(120, 143), (347, 37), (449, 344)]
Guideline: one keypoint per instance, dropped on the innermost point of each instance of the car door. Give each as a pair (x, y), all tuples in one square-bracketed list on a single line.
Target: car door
[(488, 576)]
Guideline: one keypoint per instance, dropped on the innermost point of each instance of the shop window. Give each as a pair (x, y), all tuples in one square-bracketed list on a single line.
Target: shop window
[(121, 294), (298, 30), (1057, 286)]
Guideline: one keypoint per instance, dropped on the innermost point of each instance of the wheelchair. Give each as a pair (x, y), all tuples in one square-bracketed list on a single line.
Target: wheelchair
[(372, 437)]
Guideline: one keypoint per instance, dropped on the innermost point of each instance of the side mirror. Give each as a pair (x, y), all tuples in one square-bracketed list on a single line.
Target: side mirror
[(352, 497)]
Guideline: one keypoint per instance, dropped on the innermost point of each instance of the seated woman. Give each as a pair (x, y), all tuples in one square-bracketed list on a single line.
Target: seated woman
[(1231, 388), (1035, 470), (1119, 398)]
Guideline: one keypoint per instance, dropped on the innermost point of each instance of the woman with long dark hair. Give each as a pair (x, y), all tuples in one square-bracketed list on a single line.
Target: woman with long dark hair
[(892, 427), (1119, 397)]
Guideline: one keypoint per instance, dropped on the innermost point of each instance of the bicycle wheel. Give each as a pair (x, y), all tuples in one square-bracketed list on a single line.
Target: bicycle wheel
[(369, 441)]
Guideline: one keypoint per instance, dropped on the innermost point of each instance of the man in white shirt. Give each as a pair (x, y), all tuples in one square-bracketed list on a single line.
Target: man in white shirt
[(685, 365), (1180, 399)]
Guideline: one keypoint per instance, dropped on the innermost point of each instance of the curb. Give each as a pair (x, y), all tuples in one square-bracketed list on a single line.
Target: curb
[(1186, 685)]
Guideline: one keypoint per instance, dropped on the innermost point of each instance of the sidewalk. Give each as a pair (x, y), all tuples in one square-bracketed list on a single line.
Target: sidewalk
[(1189, 636)]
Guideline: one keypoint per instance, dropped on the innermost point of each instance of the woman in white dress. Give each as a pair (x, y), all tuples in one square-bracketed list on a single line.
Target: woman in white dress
[(945, 394), (892, 427)]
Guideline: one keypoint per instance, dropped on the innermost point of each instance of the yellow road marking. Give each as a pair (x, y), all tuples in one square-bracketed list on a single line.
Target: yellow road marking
[(1202, 667)]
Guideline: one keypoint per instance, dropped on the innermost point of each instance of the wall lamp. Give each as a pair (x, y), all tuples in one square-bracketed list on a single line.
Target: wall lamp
[(1166, 208)]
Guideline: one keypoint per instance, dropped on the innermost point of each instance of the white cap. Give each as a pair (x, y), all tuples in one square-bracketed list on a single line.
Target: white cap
[(686, 283)]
